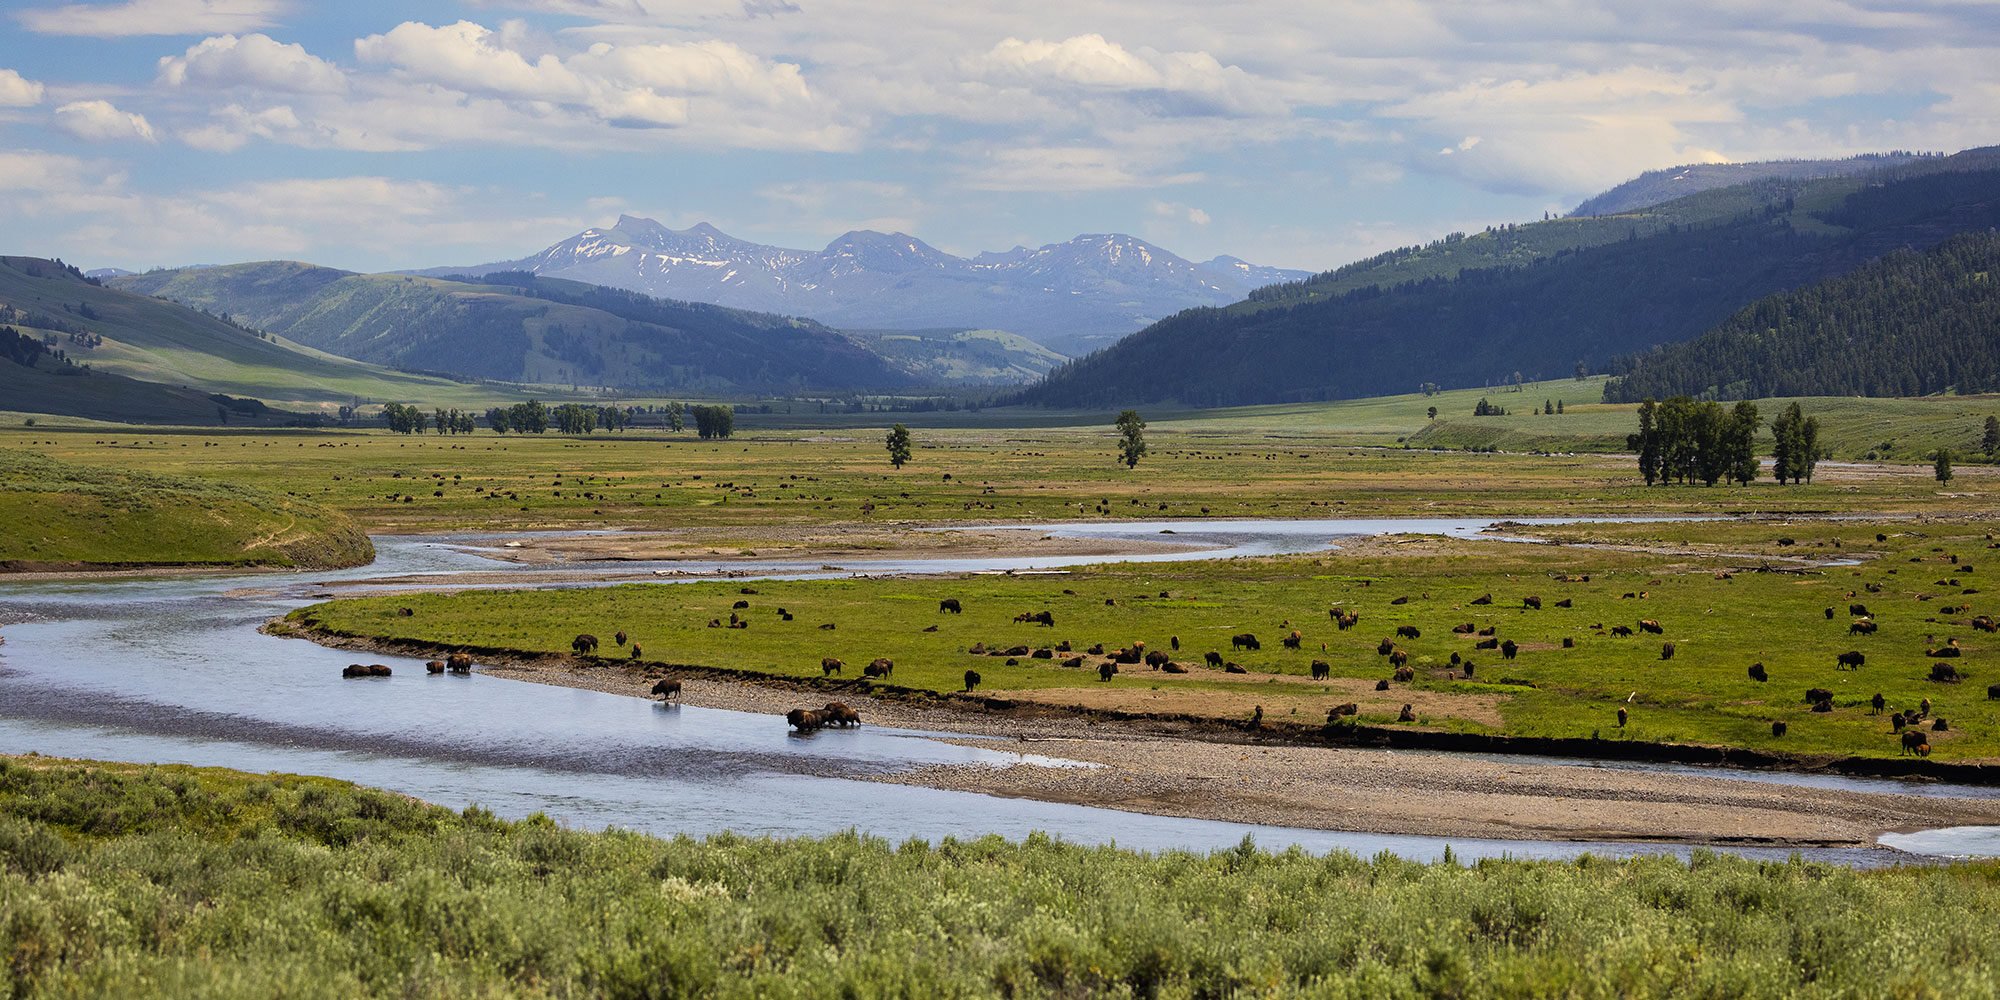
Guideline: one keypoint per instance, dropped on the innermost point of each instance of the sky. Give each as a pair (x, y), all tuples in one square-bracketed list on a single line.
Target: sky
[(377, 135)]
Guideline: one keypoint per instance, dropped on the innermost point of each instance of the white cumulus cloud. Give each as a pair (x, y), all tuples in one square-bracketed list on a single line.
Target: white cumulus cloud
[(151, 17), (1171, 83), (17, 91), (252, 61), (101, 121)]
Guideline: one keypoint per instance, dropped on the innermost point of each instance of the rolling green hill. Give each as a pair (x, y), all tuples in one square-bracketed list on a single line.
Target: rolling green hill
[(962, 357), (1541, 319), (188, 354), (521, 328), (1909, 324)]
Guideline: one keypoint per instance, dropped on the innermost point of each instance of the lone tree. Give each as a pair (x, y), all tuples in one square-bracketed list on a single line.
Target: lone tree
[(1131, 438), (899, 445), (1942, 467), (1990, 443)]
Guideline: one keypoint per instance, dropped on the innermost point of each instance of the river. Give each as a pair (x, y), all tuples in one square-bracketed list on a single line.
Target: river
[(172, 669)]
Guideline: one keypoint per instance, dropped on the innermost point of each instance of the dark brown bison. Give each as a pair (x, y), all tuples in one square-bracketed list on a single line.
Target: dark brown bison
[(1406, 715), (1017, 651), (1489, 630), (1385, 647), (1175, 642), (1829, 614), (1944, 673), (619, 638), (434, 667), (1993, 692), (1565, 603), (1858, 610), (1649, 625), (1623, 717), (1408, 632), (1822, 706), (1758, 674), (458, 663), (739, 605), (838, 714), (1212, 658), (1127, 657), (1487, 644), (1532, 603), (1569, 642), (1348, 708), (1400, 601), (1482, 599), (1621, 630), (584, 644), (636, 651), (1985, 623), (1666, 651), (1940, 726), (1105, 670), (882, 666), (1044, 617), (1292, 641), (364, 670), (1173, 668), (1778, 729), (1853, 659), (1382, 685), (1509, 649), (1914, 742), (1231, 668), (951, 604), (668, 689), (1073, 662), (1345, 621), (1044, 653), (1948, 651), (804, 720), (1466, 629), (1863, 627), (1818, 694), (828, 666), (1244, 641), (1404, 675), (1876, 703), (1321, 670), (971, 679), (1157, 658), (1399, 658)]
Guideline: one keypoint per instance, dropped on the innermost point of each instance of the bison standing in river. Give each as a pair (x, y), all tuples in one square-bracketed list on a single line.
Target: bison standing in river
[(458, 663), (434, 667), (668, 689)]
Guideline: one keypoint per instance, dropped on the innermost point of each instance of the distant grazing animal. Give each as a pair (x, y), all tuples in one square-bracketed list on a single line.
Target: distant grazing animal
[(971, 679), (1666, 651), (1400, 600), (1877, 702), (1173, 668), (1408, 632), (1346, 621), (1649, 625), (1487, 644), (1212, 658), (1758, 674), (1175, 641), (1466, 629), (951, 604), (1044, 617), (1914, 742), (1105, 670), (1945, 652), (783, 615), (717, 623), (1096, 650), (1532, 603), (1822, 706), (1406, 715), (1818, 694), (1385, 647), (1944, 673), (585, 643), (636, 651), (1348, 708), (828, 666), (1381, 685), (740, 605), (828, 627), (1569, 642), (1321, 670), (1853, 659), (881, 667), (1469, 667), (1621, 630), (1565, 603), (1482, 599), (1862, 627), (1985, 623), (1127, 656), (1623, 716), (1489, 630), (1508, 649), (1044, 653), (1993, 692), (1018, 651), (1778, 728), (1829, 614), (1897, 722), (458, 663), (1244, 641), (1923, 708), (1404, 675), (1073, 662), (668, 690), (1858, 610), (619, 638), (1231, 668), (1399, 658), (1291, 641), (434, 667)]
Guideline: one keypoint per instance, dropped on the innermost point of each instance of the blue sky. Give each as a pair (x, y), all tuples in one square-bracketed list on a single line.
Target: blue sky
[(375, 135)]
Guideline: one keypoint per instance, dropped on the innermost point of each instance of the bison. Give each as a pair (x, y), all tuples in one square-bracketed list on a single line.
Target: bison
[(1876, 703), (838, 714), (1940, 726), (1758, 674), (1666, 651), (1404, 675), (668, 690), (364, 670), (1621, 630), (971, 679), (1914, 742), (1482, 599), (1399, 658), (828, 666), (619, 638), (1408, 632), (804, 720), (1244, 641), (1292, 641), (951, 604), (1947, 651), (1944, 673), (1863, 627), (1348, 708), (1382, 685), (1623, 717), (1565, 603), (1105, 670), (1406, 715), (1778, 728), (1212, 658), (1466, 629), (1173, 668), (1853, 659), (1509, 649), (636, 651), (1649, 625), (1231, 668), (882, 666), (1858, 610), (1818, 694), (584, 644), (1157, 659), (458, 663), (1321, 670), (1487, 644), (1531, 603), (434, 667)]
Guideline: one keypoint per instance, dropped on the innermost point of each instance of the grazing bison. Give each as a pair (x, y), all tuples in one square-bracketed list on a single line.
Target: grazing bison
[(668, 689), (1406, 715), (1346, 621), (1244, 641), (584, 644), (1289, 642), (458, 663), (1758, 674), (1482, 599), (1863, 627), (1914, 742), (1822, 706), (1858, 610), (1876, 703), (1321, 670), (1923, 708), (951, 604), (405, 612), (1381, 685), (1853, 659), (1469, 667), (434, 667), (1569, 642), (1993, 692), (1399, 658), (971, 679), (1649, 625), (1623, 717), (828, 627), (882, 666), (1175, 641), (636, 651), (1532, 603), (1508, 649), (1829, 614), (619, 638), (1944, 673), (1231, 668), (1818, 694), (1777, 729), (1621, 630), (1212, 658), (1666, 651), (1105, 670), (1046, 618), (1385, 647), (1404, 675), (828, 666), (1408, 632)]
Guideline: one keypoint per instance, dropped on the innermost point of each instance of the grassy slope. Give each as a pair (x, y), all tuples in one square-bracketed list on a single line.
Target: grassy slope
[(1703, 695), (173, 881), (60, 515), (158, 341)]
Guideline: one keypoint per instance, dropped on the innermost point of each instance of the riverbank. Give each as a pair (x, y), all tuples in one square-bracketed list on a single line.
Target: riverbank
[(1197, 768)]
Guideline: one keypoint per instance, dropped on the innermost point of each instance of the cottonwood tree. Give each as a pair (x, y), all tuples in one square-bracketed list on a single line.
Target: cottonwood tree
[(899, 445), (1131, 438)]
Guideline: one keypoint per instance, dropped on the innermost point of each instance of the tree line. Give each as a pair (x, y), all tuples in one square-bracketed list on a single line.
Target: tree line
[(536, 417), (1686, 440)]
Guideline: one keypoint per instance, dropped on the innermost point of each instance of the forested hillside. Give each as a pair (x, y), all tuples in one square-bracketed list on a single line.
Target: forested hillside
[(1545, 317), (1909, 324)]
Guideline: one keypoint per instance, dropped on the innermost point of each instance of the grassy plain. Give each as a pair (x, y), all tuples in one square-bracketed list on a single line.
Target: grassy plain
[(60, 515), (118, 880), (1721, 614)]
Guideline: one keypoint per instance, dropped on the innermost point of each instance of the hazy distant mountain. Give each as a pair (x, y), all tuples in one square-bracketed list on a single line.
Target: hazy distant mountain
[(1062, 294), (1656, 187)]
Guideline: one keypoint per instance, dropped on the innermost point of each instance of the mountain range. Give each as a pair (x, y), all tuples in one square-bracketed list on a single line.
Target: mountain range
[(1068, 296)]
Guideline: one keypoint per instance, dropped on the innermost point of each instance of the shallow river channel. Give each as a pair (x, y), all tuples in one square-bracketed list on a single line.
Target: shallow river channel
[(172, 669)]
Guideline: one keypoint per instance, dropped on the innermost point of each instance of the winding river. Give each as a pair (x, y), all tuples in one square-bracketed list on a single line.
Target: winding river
[(173, 670)]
